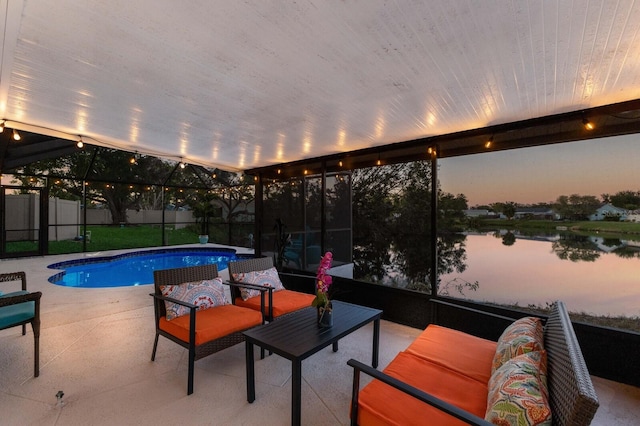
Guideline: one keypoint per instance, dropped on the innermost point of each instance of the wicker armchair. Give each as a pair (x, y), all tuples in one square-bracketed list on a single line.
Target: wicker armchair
[(193, 332), (21, 308), (298, 293)]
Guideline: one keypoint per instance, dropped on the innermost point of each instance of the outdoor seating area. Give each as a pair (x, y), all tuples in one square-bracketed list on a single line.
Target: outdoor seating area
[(95, 347), (249, 282), (19, 308), (214, 326), (532, 373)]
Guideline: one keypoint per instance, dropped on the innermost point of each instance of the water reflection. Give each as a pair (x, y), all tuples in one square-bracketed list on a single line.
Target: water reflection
[(591, 274), (576, 248)]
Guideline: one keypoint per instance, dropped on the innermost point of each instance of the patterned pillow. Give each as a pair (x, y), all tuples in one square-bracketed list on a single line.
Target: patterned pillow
[(518, 393), (523, 336), (267, 278), (204, 294)]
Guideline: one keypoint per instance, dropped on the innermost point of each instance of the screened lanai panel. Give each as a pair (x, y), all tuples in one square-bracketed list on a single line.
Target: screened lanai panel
[(551, 223), (338, 236)]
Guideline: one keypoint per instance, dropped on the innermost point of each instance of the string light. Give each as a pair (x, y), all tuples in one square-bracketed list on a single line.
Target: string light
[(588, 124), (16, 135), (2, 125), (79, 144), (489, 142)]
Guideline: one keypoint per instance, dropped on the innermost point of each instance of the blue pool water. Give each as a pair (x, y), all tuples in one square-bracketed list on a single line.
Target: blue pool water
[(136, 268)]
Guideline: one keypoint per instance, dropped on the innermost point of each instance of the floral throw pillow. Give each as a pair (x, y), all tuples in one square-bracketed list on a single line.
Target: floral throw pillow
[(267, 278), (518, 394), (204, 294), (522, 336)]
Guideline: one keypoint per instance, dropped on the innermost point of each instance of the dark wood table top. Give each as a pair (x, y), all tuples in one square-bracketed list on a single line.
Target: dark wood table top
[(297, 336)]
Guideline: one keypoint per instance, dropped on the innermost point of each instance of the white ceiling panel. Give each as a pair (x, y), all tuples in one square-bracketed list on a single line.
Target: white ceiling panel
[(240, 85)]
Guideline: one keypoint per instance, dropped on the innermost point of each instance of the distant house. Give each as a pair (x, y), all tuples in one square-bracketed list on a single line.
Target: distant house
[(540, 213), (609, 210), (476, 213), (480, 213), (633, 216)]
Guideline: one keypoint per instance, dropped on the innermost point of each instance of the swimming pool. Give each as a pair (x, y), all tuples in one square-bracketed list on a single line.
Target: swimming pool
[(135, 268)]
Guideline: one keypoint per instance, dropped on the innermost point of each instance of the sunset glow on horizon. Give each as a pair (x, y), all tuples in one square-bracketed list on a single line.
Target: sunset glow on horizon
[(542, 174)]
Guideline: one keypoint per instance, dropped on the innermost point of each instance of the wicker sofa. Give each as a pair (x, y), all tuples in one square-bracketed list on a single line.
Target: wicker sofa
[(444, 377)]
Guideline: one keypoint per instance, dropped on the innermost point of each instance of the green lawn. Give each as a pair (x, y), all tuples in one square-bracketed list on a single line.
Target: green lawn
[(114, 238), (130, 236)]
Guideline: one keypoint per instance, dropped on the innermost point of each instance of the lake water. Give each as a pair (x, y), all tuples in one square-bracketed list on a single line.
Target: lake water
[(530, 272)]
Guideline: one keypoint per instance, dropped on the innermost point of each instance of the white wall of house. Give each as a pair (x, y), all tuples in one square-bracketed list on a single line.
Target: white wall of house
[(633, 217), (608, 210)]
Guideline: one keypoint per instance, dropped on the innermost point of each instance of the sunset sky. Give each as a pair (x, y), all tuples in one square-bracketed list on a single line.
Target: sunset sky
[(541, 174)]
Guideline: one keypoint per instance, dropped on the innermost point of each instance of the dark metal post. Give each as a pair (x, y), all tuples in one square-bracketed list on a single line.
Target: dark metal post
[(323, 206), (164, 232), (434, 220), (258, 222), (84, 215)]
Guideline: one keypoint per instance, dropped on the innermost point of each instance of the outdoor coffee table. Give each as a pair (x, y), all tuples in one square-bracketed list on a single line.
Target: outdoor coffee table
[(297, 337)]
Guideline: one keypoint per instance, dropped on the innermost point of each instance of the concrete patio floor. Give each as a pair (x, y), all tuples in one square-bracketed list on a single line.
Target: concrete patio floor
[(95, 346)]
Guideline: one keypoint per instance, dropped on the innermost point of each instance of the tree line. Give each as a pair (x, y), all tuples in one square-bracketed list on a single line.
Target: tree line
[(572, 207)]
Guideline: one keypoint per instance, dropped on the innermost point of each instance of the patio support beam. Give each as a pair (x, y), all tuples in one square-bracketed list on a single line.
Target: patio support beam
[(259, 211), (323, 207), (433, 240)]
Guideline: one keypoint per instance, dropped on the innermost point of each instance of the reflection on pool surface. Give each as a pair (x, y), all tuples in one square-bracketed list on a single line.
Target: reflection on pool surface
[(135, 268)]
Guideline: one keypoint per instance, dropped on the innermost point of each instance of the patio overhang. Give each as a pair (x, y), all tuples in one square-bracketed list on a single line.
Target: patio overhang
[(253, 85), (608, 121)]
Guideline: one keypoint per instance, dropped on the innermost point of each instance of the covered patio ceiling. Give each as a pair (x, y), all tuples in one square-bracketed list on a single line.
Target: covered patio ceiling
[(248, 85)]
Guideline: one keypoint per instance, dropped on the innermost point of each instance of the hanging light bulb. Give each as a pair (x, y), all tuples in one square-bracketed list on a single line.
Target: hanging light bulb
[(182, 165), (489, 142), (2, 125), (588, 124), (16, 135), (79, 144)]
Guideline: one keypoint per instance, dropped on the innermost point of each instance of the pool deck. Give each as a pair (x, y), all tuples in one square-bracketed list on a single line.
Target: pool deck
[(95, 346)]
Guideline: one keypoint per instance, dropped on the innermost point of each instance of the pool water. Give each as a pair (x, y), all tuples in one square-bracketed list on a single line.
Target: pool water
[(136, 268)]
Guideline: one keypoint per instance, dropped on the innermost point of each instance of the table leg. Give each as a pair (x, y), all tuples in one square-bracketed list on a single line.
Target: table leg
[(376, 343), (251, 380), (296, 393)]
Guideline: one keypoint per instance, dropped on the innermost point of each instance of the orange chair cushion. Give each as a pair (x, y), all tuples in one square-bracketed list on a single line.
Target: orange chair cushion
[(458, 351), (381, 404), (212, 323), (284, 302)]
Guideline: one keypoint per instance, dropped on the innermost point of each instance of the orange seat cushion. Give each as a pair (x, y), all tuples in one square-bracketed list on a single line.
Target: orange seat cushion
[(212, 323), (284, 302), (458, 351), (380, 404)]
